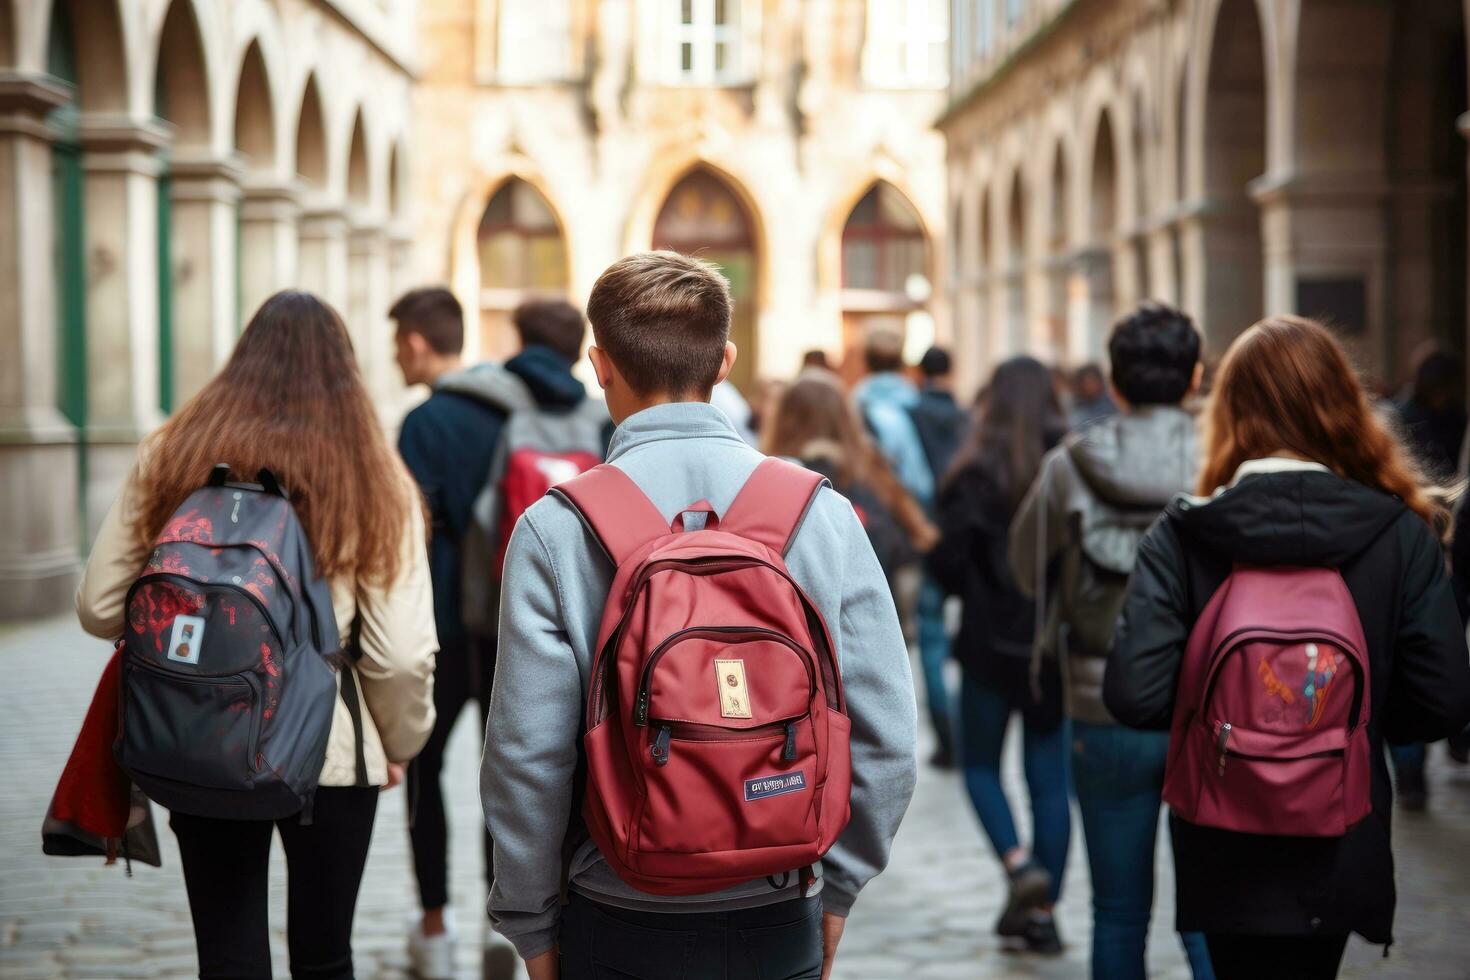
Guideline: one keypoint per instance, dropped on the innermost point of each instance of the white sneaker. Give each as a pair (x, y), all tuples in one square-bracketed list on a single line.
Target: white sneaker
[(431, 957)]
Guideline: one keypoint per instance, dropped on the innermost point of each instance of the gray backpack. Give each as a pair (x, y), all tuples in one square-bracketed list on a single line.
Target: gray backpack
[(229, 657), (539, 447)]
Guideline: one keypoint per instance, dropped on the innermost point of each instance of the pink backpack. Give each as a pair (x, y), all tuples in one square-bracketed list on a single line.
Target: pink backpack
[(1270, 732), (717, 735)]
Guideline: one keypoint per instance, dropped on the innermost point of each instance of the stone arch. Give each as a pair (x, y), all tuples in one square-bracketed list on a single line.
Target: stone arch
[(9, 52), (397, 181), (182, 79), (99, 37), (311, 138), (255, 123), (1230, 131), (1013, 254), (705, 213), (359, 174), (887, 269), (1057, 247), (1103, 210), (522, 253)]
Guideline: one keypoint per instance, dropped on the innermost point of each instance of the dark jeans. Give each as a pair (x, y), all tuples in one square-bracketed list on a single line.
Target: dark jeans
[(773, 942), (226, 865), (933, 652), (984, 714), (464, 670), (1249, 957), (1118, 775)]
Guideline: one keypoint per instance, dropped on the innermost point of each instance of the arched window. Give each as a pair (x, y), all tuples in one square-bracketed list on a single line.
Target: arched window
[(522, 255), (885, 277), (703, 217)]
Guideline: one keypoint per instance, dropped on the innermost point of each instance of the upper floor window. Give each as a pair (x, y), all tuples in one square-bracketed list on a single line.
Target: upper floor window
[(985, 27), (534, 41), (706, 41), (907, 43)]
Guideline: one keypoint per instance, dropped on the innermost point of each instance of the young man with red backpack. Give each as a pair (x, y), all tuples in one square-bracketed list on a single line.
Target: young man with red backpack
[(488, 441), (701, 740)]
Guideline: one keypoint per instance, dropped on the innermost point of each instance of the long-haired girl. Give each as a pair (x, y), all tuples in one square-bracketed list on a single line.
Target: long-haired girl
[(1298, 471)]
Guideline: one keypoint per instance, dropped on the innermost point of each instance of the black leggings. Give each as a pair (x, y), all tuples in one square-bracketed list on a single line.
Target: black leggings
[(1250, 957), (226, 866), (464, 671)]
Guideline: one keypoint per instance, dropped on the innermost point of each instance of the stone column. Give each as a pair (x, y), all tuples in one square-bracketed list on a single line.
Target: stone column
[(322, 265), (121, 234), (1325, 245), (400, 260), (1090, 310), (206, 193), (268, 244), (1221, 247), (40, 527), (367, 312), (1162, 273)]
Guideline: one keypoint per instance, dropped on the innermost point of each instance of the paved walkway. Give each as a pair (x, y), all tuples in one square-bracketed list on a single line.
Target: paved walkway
[(927, 917)]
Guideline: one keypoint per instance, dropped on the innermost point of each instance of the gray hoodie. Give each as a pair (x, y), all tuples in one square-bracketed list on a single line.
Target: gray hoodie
[(1095, 497), (554, 586)]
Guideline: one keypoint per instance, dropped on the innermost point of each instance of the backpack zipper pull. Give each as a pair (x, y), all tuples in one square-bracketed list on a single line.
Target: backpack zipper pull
[(1223, 740), (788, 754), (660, 750), (641, 714)]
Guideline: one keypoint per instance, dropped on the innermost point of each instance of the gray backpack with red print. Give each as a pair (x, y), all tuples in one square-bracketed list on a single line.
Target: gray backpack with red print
[(228, 660)]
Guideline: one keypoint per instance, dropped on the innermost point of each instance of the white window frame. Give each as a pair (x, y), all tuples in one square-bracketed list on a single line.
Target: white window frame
[(526, 31), (703, 35), (906, 44)]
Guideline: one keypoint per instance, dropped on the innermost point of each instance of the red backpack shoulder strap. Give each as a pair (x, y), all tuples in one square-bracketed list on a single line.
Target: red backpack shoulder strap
[(773, 503), (618, 514)]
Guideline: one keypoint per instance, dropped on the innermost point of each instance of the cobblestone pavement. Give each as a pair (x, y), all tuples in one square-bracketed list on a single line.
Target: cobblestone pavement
[(927, 917)]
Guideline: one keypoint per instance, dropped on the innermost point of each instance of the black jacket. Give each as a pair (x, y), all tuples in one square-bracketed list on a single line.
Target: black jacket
[(997, 620), (1420, 683)]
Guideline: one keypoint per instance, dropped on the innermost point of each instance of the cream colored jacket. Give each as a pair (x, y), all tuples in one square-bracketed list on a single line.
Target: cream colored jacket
[(397, 639)]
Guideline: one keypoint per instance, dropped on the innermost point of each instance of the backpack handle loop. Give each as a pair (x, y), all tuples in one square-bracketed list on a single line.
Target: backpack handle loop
[(711, 519)]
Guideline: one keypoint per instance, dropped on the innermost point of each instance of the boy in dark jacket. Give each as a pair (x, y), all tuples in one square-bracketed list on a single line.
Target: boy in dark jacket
[(449, 442)]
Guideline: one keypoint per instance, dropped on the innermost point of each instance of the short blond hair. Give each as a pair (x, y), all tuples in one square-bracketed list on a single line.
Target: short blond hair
[(664, 319)]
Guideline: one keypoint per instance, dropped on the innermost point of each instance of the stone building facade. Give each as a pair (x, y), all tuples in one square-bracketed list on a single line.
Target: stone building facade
[(164, 166), (1235, 157), (792, 143)]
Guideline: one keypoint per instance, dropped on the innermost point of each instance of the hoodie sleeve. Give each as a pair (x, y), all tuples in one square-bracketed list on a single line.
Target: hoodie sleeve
[(880, 703), (530, 754), (1148, 643), (1429, 691), (1039, 529)]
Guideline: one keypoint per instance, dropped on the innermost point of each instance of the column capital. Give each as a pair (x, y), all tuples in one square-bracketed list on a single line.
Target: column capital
[(205, 177), (269, 202), (366, 232), (116, 143), (323, 221), (26, 100)]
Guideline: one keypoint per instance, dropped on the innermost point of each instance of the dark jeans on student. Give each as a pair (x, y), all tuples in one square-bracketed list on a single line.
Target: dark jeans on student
[(1118, 775), (772, 942), (226, 865), (984, 714), (1250, 957), (933, 652), (464, 671)]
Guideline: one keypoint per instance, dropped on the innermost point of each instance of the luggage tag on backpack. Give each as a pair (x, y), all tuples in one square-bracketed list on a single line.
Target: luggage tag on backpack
[(186, 639), (734, 699)]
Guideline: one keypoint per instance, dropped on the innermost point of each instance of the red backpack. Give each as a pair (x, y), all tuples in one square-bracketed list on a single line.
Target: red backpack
[(1270, 731), (716, 731)]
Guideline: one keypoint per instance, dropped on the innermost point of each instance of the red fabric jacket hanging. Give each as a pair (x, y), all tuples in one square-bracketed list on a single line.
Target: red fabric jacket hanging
[(93, 808)]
